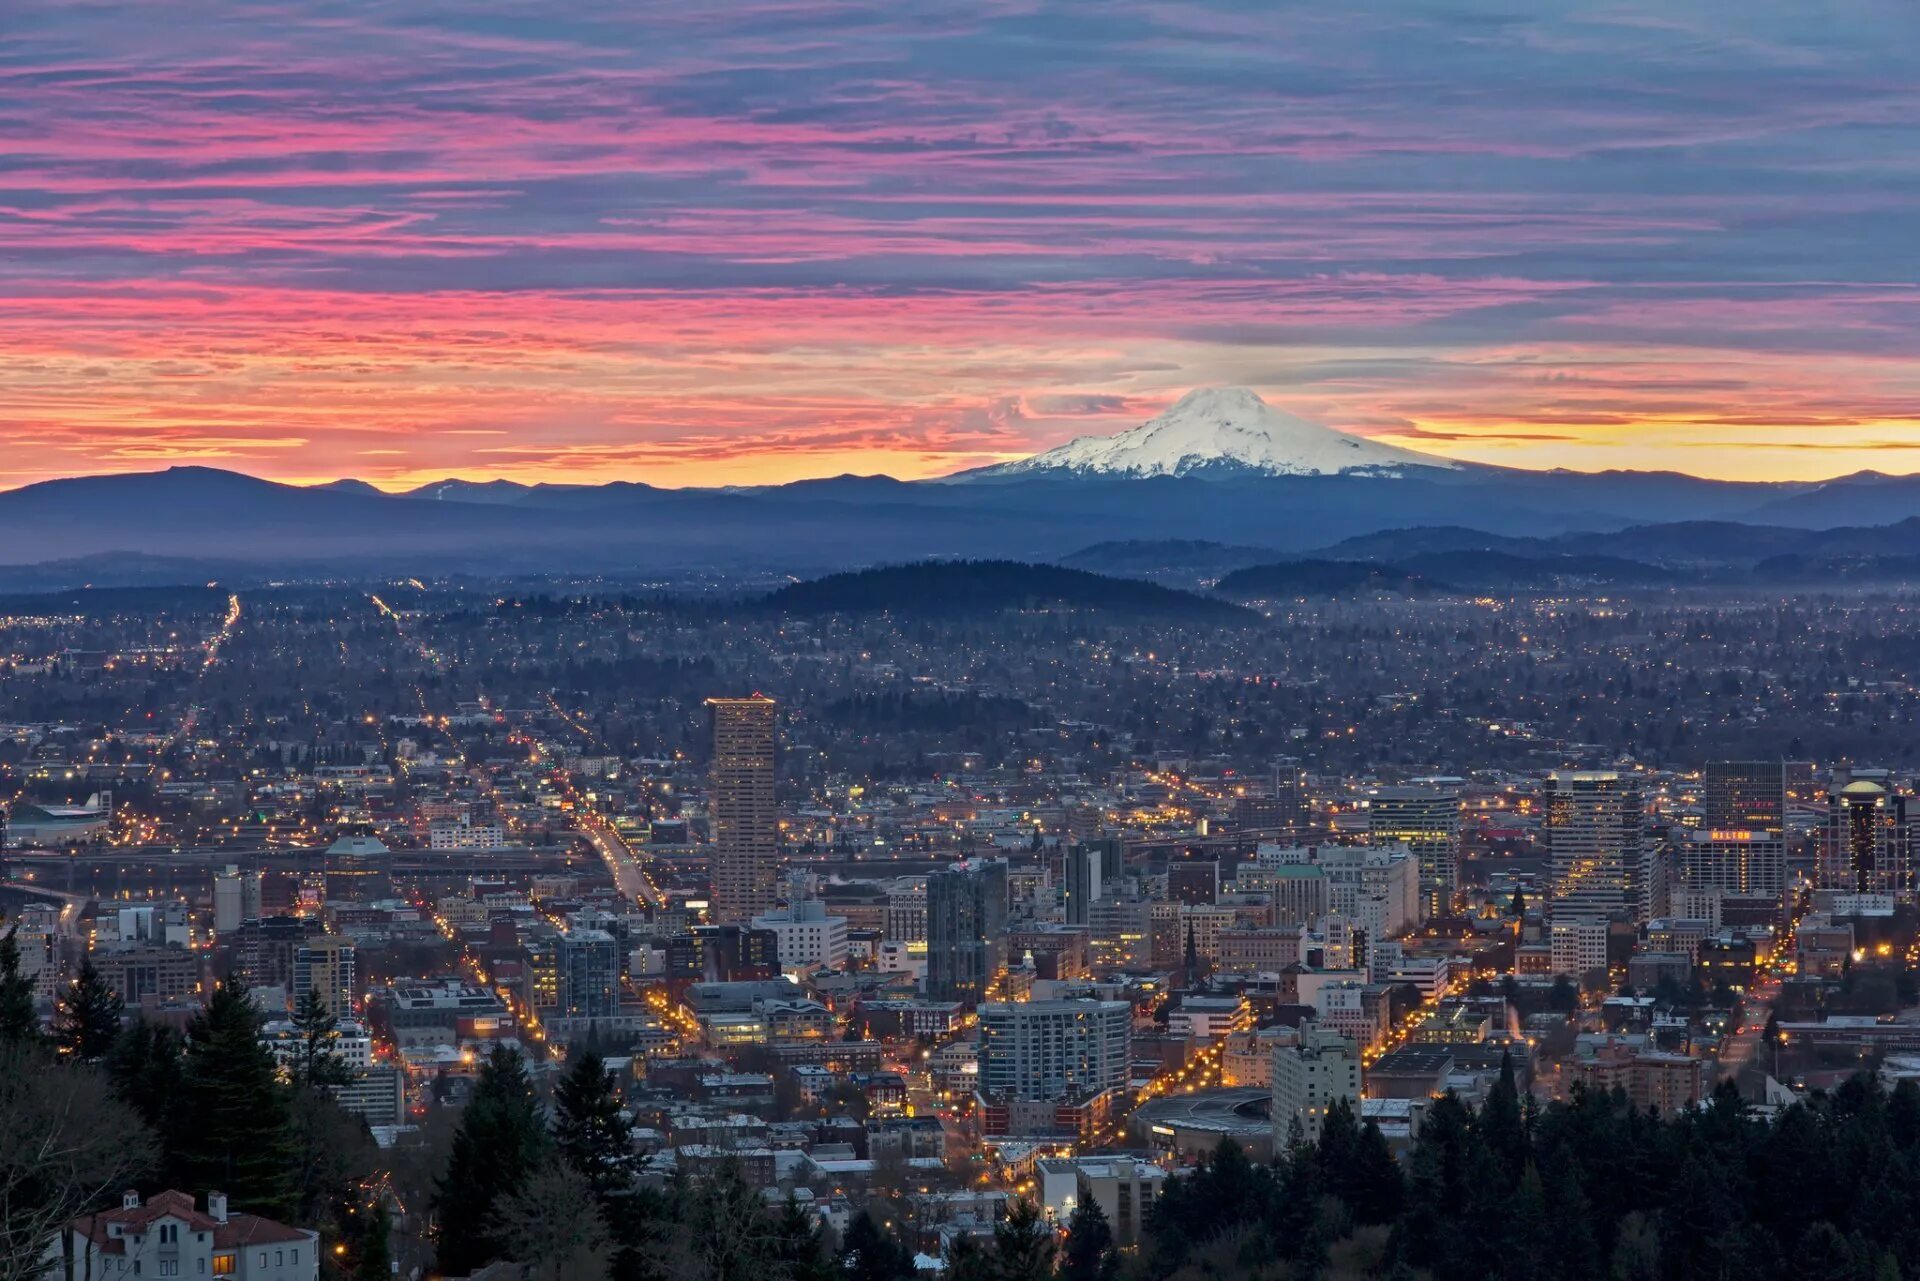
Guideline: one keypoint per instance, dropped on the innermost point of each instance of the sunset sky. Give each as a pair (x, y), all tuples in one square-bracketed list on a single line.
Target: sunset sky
[(752, 241)]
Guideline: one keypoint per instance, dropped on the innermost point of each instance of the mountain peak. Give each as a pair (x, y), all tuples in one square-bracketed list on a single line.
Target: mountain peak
[(1219, 431)]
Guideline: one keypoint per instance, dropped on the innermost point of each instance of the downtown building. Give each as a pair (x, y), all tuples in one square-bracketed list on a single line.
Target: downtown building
[(1052, 1068), (1426, 820), (745, 820), (1602, 863), (1866, 845), (966, 930)]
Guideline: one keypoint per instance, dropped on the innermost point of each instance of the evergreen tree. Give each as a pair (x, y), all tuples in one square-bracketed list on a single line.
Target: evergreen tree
[(1377, 1189), (18, 1020), (316, 1060), (146, 1065), (1023, 1245), (235, 1130), (86, 1018), (800, 1248), (1501, 1124), (588, 1128), (500, 1143), (1088, 1253), (871, 1253), (375, 1255)]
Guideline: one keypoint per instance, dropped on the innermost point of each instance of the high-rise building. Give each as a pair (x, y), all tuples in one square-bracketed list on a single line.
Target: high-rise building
[(1193, 880), (1748, 796), (966, 929), (1291, 813), (588, 967), (1083, 882), (1308, 1076), (808, 938), (1602, 863), (1733, 861), (325, 965), (1054, 1049), (236, 899), (745, 820), (1425, 819), (1867, 846)]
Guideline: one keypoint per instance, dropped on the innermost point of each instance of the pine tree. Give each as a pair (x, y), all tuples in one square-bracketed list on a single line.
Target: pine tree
[(870, 1253), (146, 1065), (588, 1128), (1088, 1253), (86, 1018), (316, 1061), (1023, 1245), (1501, 1124), (500, 1143), (800, 1250), (18, 1019), (236, 1131), (375, 1261)]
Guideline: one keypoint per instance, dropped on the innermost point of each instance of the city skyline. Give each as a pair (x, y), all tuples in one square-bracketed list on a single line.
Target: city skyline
[(747, 245)]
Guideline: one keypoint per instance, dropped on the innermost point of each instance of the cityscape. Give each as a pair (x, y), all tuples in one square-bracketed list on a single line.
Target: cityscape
[(803, 640)]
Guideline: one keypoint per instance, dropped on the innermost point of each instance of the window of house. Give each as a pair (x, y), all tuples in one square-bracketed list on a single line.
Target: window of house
[(223, 1264)]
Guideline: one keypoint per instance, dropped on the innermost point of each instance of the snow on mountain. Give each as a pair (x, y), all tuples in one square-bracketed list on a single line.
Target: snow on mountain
[(1218, 430)]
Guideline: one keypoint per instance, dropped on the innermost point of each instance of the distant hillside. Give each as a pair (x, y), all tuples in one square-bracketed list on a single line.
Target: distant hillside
[(1505, 571), (1166, 557), (1321, 578), (988, 586)]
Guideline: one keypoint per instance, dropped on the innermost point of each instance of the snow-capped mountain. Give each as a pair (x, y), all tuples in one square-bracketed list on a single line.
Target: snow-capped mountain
[(1215, 431)]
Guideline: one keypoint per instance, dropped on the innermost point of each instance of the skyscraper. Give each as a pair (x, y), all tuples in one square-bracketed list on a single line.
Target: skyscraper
[(746, 823), (588, 965), (1866, 848), (966, 929), (1054, 1049), (1746, 796), (1601, 859), (1425, 819), (325, 965)]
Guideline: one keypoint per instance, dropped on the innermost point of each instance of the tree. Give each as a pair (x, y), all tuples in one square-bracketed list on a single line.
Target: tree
[(316, 1060), (374, 1261), (145, 1064), (553, 1227), (727, 1233), (1502, 1125), (1023, 1245), (66, 1146), (1087, 1254), (871, 1253), (591, 1133), (19, 1021), (86, 1018), (236, 1129), (500, 1143), (800, 1248)]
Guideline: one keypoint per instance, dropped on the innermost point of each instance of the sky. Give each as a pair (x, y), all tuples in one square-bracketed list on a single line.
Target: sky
[(759, 240)]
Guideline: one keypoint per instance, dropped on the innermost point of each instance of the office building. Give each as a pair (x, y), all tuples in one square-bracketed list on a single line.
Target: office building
[(1083, 882), (1193, 881), (1307, 1077), (1426, 820), (1745, 796), (1866, 847), (325, 964), (1054, 1049), (587, 966), (236, 900), (1599, 856), (966, 930), (806, 937), (745, 821)]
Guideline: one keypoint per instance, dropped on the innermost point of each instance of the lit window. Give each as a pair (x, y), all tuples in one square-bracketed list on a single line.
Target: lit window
[(223, 1264)]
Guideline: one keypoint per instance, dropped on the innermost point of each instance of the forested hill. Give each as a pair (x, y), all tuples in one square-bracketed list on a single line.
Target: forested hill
[(950, 587)]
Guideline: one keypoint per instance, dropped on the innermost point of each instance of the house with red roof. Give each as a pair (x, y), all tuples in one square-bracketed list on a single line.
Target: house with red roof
[(167, 1237)]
